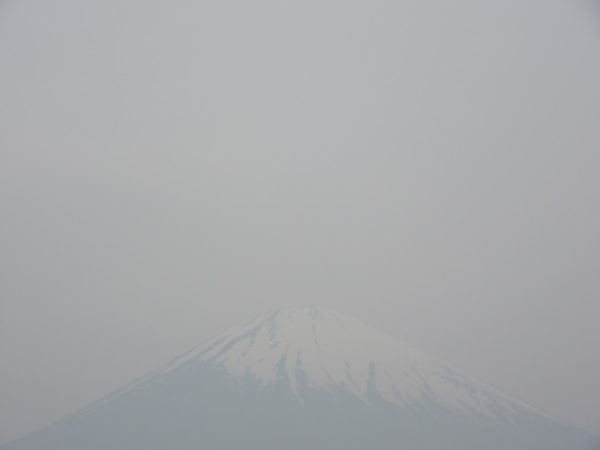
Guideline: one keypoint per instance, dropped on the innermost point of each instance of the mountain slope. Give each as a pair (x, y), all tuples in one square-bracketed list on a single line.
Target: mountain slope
[(300, 379)]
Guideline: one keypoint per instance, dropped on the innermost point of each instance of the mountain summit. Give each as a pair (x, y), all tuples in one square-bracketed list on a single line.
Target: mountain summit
[(300, 379), (324, 350)]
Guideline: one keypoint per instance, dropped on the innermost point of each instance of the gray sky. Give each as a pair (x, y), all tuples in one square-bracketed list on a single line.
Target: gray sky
[(169, 169)]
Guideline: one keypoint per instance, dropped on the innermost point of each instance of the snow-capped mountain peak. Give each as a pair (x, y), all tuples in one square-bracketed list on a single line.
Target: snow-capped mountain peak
[(306, 378), (330, 351)]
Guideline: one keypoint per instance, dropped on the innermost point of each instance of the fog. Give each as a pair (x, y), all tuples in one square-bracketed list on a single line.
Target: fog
[(170, 169)]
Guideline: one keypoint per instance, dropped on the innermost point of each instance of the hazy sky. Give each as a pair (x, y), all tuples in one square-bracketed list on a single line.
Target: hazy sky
[(168, 169)]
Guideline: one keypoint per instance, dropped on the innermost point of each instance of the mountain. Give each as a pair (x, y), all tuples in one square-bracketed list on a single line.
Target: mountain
[(303, 379)]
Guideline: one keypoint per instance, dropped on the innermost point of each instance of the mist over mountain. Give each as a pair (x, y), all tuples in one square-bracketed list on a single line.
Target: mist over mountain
[(306, 379)]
